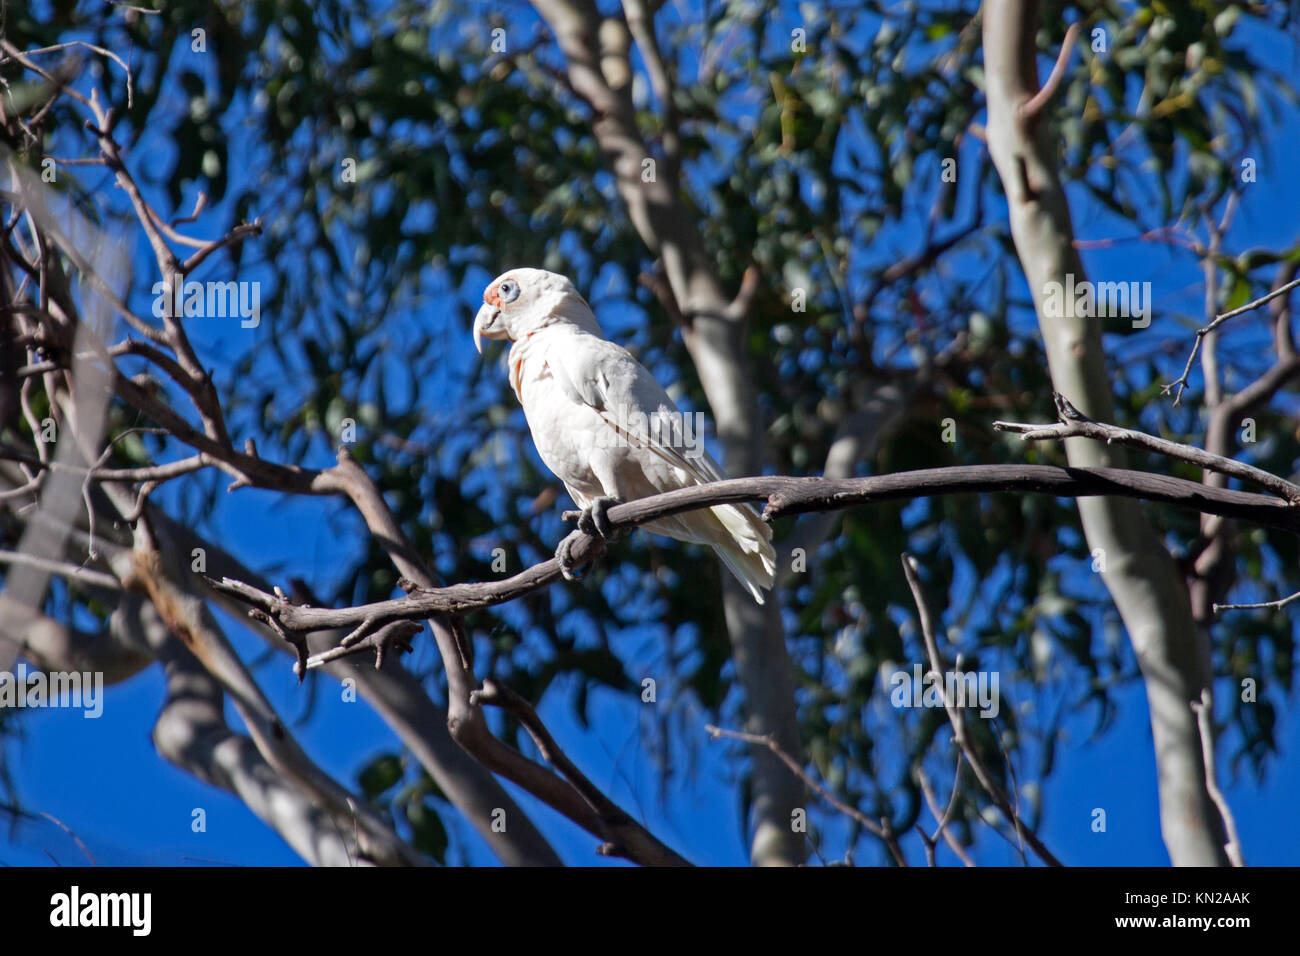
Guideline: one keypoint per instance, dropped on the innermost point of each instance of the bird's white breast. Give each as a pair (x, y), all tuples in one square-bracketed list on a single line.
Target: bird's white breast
[(568, 434)]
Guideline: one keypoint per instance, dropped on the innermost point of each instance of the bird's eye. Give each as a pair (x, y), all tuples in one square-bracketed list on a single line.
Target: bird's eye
[(508, 290)]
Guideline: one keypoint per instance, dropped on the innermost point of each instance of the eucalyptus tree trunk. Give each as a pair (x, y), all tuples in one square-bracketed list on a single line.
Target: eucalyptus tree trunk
[(1146, 585)]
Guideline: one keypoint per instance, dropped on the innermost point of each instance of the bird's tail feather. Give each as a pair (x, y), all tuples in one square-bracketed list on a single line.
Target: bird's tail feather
[(746, 548), (740, 537), (742, 567)]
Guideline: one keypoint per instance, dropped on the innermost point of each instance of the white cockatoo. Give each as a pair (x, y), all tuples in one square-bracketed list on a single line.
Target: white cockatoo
[(605, 427)]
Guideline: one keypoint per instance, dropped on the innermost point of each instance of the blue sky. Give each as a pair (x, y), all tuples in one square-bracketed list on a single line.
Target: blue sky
[(103, 780)]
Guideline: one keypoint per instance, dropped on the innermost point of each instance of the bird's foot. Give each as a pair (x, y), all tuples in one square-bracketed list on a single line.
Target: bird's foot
[(594, 519), (564, 555)]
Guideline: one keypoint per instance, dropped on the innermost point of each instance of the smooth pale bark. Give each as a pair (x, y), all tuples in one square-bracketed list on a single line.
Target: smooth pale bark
[(1146, 585), (758, 646), (419, 723), (192, 734), (394, 692)]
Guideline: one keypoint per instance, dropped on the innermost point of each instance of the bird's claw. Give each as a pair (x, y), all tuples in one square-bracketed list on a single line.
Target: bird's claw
[(594, 519), (564, 555)]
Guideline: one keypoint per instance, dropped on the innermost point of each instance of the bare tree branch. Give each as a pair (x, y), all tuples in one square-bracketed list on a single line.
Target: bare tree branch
[(879, 829), (942, 818), (73, 572), (1180, 383), (622, 828), (1279, 603), (1030, 111), (465, 717), (958, 721), (1204, 710), (54, 646), (1074, 423), (784, 496)]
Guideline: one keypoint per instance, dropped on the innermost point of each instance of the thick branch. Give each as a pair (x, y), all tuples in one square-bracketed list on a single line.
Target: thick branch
[(786, 496)]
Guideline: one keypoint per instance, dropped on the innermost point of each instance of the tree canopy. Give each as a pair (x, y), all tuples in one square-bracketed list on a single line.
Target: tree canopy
[(827, 170)]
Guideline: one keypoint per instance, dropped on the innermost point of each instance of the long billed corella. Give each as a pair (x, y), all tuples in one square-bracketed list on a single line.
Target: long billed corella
[(605, 426)]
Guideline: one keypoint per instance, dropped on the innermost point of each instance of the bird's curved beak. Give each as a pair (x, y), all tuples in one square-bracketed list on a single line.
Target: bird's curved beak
[(485, 327)]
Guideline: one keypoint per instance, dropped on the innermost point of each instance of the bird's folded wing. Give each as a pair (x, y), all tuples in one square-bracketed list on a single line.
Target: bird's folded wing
[(607, 378)]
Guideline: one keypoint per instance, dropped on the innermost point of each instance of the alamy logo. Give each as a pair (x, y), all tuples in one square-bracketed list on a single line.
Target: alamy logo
[(20, 689), (74, 908), (1107, 300), (209, 300), (666, 428), (928, 689)]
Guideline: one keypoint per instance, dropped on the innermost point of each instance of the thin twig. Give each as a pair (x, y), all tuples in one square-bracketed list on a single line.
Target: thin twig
[(932, 801), (75, 839), (393, 634), (66, 569), (1180, 383), (955, 717), (880, 830), (1279, 603), (130, 89)]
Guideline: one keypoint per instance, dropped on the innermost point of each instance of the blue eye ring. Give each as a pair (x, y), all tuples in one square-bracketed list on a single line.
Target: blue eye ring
[(508, 290)]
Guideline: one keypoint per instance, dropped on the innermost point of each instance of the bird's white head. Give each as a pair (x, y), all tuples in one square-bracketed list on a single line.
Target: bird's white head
[(521, 301)]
